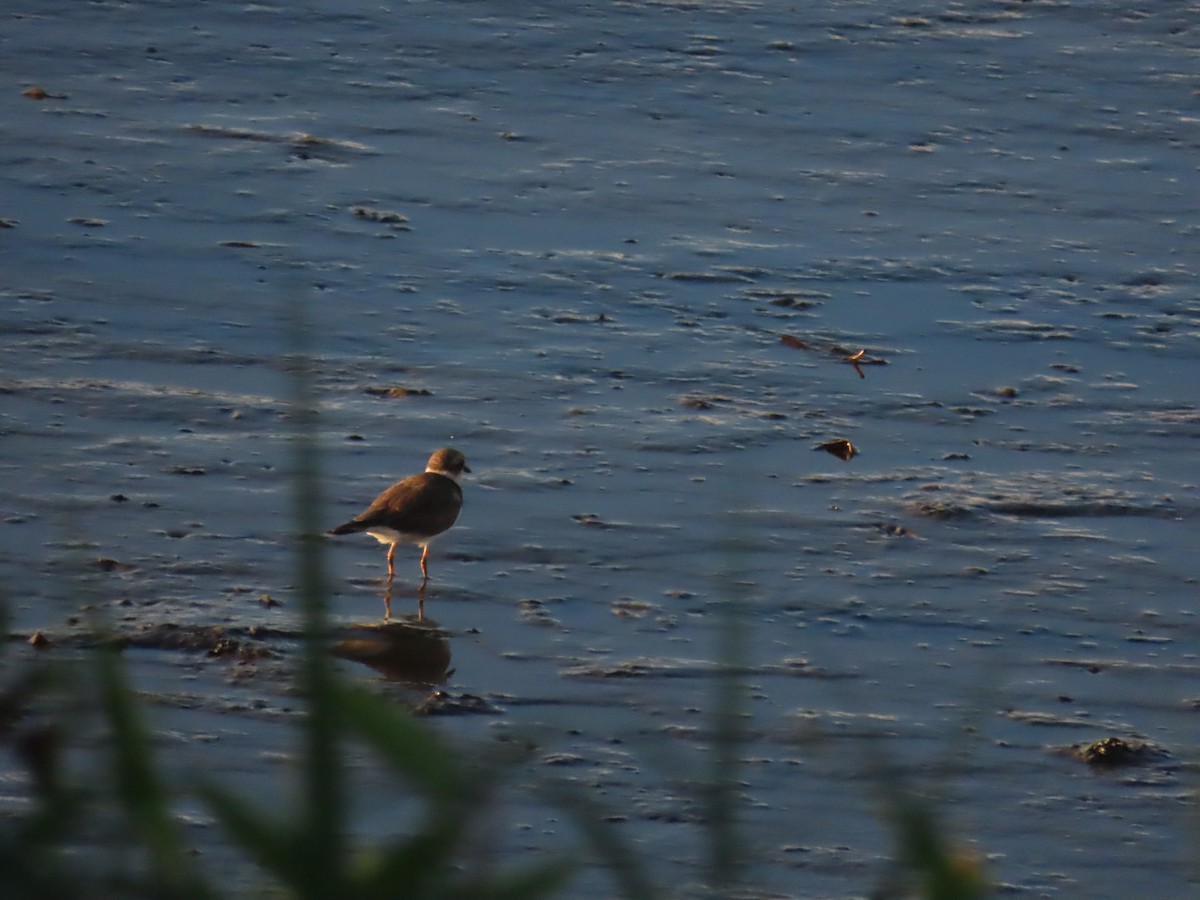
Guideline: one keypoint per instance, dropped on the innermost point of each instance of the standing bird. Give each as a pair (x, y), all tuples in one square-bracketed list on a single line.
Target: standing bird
[(415, 510)]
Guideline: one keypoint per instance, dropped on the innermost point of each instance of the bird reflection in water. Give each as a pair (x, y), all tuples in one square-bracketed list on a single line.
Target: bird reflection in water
[(410, 649), (387, 601)]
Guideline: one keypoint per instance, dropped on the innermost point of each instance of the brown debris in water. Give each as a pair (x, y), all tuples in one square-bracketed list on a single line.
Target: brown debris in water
[(398, 221), (790, 299), (856, 358), (215, 640), (590, 519), (243, 643), (693, 401), (105, 564), (40, 93), (1113, 752), (841, 448), (892, 529), (442, 703), (636, 609), (399, 391)]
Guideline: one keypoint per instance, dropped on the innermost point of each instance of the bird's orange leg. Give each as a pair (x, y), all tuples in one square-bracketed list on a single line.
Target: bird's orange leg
[(391, 557), (425, 556)]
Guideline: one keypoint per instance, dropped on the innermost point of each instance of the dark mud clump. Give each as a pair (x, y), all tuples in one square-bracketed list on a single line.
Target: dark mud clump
[(243, 644), (1115, 752)]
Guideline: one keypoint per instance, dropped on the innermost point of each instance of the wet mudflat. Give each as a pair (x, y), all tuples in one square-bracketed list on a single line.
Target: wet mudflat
[(625, 257)]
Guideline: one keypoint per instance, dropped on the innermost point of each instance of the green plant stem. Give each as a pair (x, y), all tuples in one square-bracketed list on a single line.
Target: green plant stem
[(138, 786), (324, 836)]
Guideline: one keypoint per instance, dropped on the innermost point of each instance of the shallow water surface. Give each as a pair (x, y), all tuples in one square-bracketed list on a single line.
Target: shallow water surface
[(620, 255)]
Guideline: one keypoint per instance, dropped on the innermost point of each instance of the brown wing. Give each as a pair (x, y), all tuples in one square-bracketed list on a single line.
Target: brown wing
[(420, 504)]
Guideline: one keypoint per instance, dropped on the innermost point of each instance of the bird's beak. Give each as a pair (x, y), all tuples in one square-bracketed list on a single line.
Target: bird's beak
[(466, 468)]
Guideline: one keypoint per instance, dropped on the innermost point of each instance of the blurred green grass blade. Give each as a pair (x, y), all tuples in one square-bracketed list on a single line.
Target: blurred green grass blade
[(267, 842), (429, 865), (419, 864), (541, 881), (411, 749), (34, 865), (947, 873), (325, 811), (138, 787)]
